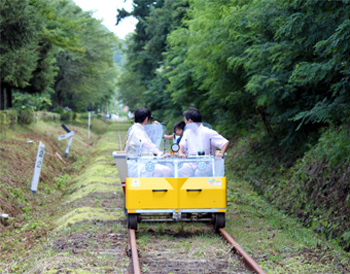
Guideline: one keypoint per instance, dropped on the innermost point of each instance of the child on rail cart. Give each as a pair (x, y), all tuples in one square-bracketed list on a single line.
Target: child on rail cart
[(178, 131)]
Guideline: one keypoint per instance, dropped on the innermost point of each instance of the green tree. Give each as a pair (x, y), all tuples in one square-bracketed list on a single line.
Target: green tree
[(87, 72), (271, 60), (54, 47), (145, 53), (20, 30)]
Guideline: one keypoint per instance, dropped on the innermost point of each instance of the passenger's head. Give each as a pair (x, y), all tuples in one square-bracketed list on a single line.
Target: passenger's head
[(192, 115), (179, 128), (141, 114)]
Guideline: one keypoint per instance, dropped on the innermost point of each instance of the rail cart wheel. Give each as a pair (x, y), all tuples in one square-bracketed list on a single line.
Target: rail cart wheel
[(132, 221), (219, 221)]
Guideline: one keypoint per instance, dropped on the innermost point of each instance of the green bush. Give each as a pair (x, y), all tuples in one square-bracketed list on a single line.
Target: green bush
[(98, 126), (67, 116), (26, 115), (8, 117), (318, 190), (48, 116), (76, 116), (315, 188), (85, 115), (35, 101)]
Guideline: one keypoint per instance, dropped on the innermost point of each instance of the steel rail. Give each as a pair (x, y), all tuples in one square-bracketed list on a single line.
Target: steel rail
[(135, 257), (241, 251)]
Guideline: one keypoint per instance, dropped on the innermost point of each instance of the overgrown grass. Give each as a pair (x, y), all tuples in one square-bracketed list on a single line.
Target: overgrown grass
[(66, 207), (315, 188), (277, 241)]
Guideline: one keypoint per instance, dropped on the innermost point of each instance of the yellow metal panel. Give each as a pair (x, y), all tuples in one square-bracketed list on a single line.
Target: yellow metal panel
[(151, 193), (203, 192), (176, 193)]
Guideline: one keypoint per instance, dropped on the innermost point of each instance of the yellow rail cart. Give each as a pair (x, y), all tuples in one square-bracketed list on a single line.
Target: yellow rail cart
[(195, 189)]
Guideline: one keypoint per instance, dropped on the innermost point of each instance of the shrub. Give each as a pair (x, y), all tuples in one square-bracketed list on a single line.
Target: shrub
[(35, 101), (67, 116), (48, 116), (8, 117), (26, 115), (98, 126), (76, 116)]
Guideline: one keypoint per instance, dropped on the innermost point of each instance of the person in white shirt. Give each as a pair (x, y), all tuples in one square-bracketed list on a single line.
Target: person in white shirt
[(199, 140), (139, 143)]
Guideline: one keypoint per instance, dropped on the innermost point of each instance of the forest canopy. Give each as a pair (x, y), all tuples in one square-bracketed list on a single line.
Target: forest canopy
[(55, 50), (282, 64)]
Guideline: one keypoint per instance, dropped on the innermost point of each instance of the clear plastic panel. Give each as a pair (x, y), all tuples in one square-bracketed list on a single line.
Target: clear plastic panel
[(201, 166), (156, 133)]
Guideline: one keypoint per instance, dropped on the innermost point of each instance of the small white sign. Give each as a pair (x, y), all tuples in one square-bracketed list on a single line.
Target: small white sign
[(89, 124), (68, 145), (214, 181), (69, 135), (135, 183), (37, 168), (65, 136)]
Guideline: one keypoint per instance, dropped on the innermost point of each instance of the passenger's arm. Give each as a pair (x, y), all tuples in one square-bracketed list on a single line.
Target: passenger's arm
[(169, 137), (222, 151), (181, 152)]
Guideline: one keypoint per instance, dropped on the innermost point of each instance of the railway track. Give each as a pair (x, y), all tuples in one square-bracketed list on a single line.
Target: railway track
[(249, 263)]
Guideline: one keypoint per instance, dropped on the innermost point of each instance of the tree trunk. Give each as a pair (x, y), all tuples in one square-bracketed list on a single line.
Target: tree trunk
[(266, 122), (2, 97), (9, 97)]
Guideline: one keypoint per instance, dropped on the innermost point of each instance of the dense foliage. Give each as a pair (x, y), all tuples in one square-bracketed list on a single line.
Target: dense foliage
[(142, 82), (275, 71), (284, 63), (55, 49)]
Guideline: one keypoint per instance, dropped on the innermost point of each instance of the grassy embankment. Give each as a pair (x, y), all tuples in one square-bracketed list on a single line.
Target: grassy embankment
[(34, 218), (315, 188), (75, 223)]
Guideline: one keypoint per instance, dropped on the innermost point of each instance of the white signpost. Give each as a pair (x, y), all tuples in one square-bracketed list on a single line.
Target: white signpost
[(89, 109), (69, 135), (37, 168), (65, 136), (89, 123)]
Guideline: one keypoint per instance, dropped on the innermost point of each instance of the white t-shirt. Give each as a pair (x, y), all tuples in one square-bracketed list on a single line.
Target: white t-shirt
[(199, 138), (138, 139)]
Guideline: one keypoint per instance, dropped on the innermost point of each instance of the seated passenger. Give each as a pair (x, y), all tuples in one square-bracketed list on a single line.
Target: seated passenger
[(139, 144), (199, 140), (178, 131)]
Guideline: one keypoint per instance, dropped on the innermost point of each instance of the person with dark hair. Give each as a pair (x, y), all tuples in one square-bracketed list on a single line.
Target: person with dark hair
[(137, 136), (200, 137), (199, 140), (141, 114), (139, 143), (178, 131), (192, 114)]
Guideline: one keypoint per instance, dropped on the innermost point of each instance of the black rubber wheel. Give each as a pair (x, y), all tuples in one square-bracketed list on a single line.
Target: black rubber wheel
[(132, 221), (219, 221)]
